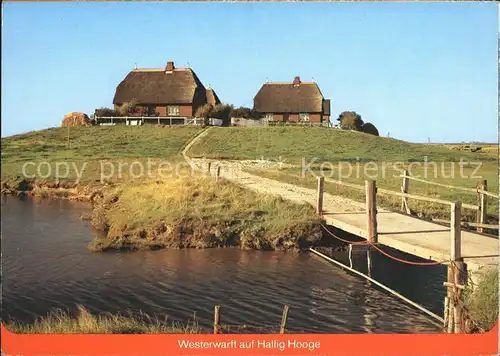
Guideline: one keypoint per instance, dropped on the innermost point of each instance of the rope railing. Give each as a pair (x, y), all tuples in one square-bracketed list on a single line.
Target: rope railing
[(453, 305), (367, 242)]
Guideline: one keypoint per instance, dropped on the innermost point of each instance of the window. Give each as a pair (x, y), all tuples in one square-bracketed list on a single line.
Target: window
[(173, 111), (304, 117), (270, 117)]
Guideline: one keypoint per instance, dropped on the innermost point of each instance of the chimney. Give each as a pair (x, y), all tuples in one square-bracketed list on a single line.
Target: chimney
[(170, 67), (296, 81)]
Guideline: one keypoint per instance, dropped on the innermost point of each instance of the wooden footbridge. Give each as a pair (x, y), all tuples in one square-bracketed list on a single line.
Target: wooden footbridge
[(400, 230), (464, 252)]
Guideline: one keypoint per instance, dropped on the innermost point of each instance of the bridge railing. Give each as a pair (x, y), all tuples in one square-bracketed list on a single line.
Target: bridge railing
[(457, 269), (481, 192)]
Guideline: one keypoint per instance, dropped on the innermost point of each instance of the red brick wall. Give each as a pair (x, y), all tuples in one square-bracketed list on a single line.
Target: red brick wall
[(315, 118), (278, 117), (186, 110), (161, 110)]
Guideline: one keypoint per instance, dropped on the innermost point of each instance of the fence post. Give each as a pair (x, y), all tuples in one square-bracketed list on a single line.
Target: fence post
[(216, 319), (209, 164), (368, 262), (319, 199), (404, 189), (284, 318), (455, 269), (482, 204), (450, 325), (371, 209), (217, 173), (456, 229)]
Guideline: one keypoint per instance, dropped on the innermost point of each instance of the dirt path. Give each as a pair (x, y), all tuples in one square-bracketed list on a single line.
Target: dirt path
[(234, 171)]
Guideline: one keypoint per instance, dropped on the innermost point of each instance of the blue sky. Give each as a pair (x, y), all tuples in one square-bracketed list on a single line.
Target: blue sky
[(415, 70)]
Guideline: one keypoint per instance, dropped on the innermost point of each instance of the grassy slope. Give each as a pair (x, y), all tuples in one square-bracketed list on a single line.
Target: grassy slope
[(91, 144), (197, 212), (324, 144), (127, 144)]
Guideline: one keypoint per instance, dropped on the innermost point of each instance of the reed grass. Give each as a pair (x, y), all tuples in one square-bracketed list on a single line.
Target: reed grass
[(60, 321)]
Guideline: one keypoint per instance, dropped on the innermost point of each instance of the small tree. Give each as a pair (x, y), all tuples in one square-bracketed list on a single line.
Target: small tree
[(127, 107), (204, 111), (369, 128), (350, 120), (244, 112)]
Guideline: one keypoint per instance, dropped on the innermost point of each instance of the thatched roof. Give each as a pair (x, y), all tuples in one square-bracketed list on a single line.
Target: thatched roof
[(212, 98), (326, 107), (159, 86), (289, 98)]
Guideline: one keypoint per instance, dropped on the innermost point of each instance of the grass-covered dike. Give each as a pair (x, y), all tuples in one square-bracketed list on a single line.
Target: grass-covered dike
[(201, 213)]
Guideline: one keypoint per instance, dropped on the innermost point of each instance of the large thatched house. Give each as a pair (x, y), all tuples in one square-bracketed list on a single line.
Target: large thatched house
[(166, 91), (295, 101)]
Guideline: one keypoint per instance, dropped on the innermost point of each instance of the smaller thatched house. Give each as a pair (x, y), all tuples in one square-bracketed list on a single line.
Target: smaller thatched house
[(295, 101)]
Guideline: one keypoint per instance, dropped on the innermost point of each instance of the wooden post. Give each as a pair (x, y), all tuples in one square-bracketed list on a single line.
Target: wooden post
[(209, 164), (350, 255), (446, 313), (284, 318), (450, 326), (319, 199), (451, 317), (170, 121), (217, 173), (459, 274), (482, 204), (404, 189), (369, 262), (371, 210), (216, 319), (456, 270), (455, 229)]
